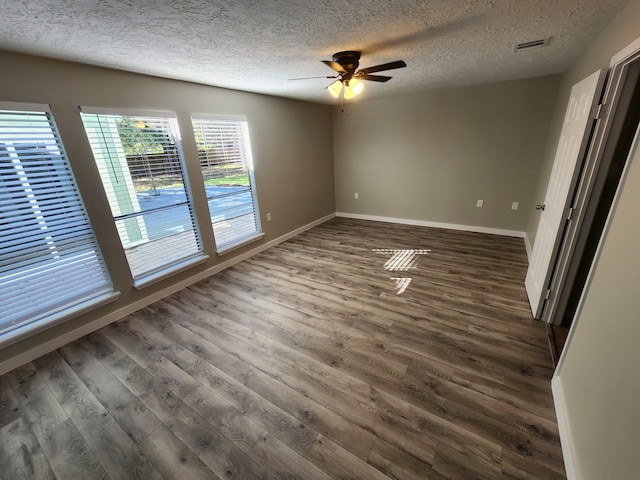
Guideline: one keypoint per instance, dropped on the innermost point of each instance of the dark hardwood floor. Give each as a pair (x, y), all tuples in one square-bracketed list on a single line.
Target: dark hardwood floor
[(306, 362), (557, 339)]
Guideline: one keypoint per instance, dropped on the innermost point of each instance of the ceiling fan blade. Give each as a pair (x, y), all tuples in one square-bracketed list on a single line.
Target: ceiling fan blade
[(311, 78), (384, 66), (373, 78), (335, 65)]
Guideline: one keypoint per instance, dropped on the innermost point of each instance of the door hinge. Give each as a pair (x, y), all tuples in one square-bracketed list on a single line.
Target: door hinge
[(599, 111), (548, 294), (571, 209)]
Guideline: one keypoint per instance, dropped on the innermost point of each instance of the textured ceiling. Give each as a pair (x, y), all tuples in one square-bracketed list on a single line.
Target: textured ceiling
[(257, 45)]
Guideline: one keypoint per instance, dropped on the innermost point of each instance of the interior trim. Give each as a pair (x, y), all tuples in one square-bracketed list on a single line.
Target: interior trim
[(424, 223), (245, 241), (166, 272), (63, 315), (528, 246), (625, 53), (563, 428), (29, 107), (131, 112)]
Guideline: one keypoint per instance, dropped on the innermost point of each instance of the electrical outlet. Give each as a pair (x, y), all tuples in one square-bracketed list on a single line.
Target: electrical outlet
[(355, 195), (268, 217), (480, 203), (514, 205)]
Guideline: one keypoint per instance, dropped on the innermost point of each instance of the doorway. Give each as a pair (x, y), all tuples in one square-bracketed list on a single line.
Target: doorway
[(601, 206), (595, 193)]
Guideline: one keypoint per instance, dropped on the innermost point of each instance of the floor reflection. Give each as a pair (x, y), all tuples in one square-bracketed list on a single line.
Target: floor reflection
[(401, 260)]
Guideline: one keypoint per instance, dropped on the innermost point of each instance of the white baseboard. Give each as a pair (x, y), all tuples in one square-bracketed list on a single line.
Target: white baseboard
[(563, 428), (423, 223), (55, 343), (527, 245)]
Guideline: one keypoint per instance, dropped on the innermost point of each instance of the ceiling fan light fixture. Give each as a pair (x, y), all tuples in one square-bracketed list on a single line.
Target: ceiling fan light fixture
[(352, 88), (335, 88), (345, 64)]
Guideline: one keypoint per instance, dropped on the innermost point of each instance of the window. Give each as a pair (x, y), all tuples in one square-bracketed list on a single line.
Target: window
[(225, 159), (50, 264), (141, 165)]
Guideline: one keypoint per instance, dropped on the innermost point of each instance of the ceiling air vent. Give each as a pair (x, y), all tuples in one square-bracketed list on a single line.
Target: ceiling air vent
[(520, 47)]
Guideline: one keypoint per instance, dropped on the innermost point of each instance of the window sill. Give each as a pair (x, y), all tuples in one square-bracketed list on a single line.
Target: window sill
[(154, 277), (240, 243), (62, 316)]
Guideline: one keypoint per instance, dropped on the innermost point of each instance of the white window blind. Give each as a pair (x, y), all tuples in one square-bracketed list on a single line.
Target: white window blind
[(50, 263), (225, 159), (141, 166)]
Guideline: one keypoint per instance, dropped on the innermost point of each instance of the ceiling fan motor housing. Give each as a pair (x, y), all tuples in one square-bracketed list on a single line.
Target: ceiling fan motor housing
[(349, 60)]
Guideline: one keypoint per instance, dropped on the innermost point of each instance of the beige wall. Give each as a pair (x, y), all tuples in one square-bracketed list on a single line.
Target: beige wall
[(431, 156), (596, 382), (291, 144)]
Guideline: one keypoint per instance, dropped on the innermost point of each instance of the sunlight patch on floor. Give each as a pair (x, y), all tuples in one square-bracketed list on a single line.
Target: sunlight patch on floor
[(401, 260)]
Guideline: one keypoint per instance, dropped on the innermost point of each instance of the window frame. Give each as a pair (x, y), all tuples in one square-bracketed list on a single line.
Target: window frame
[(227, 247), (196, 257), (51, 193)]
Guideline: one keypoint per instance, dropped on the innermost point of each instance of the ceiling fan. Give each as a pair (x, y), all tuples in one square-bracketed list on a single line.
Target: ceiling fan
[(346, 65)]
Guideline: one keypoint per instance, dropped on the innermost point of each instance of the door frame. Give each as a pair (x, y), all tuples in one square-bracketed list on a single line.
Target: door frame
[(599, 155), (573, 144)]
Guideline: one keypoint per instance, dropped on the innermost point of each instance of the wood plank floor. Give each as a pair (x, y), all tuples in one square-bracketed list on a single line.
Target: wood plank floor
[(308, 361)]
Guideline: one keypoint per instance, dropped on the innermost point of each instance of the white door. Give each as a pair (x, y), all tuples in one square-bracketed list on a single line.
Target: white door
[(572, 146)]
